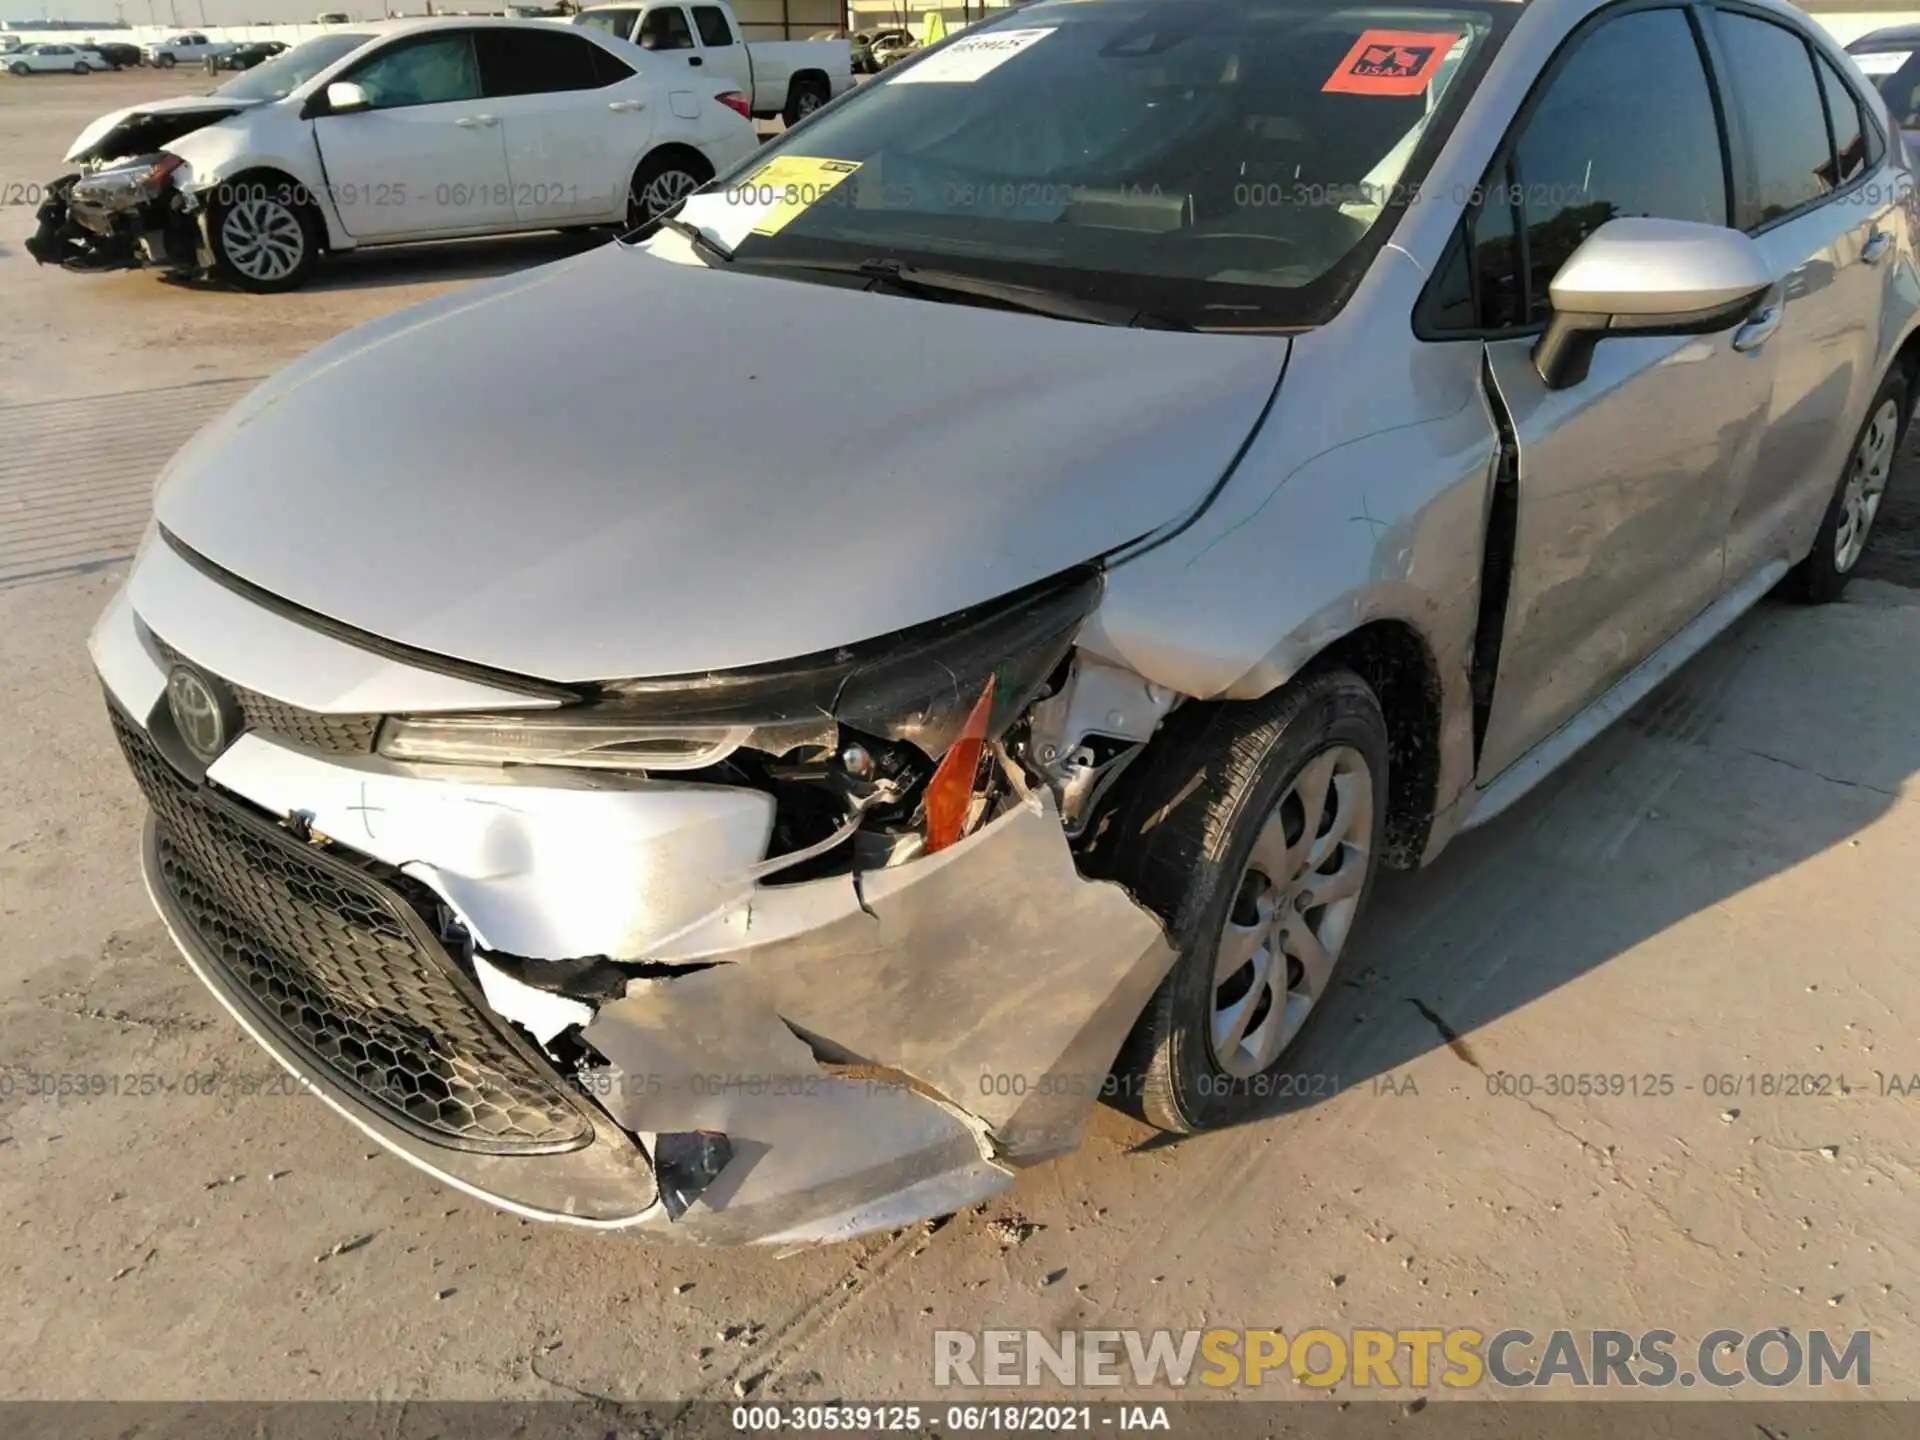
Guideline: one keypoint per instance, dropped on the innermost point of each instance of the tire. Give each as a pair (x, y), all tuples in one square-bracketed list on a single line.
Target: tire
[(284, 232), (1848, 524), (80, 67), (1195, 839), (803, 98), (18, 68), (166, 62), (661, 181)]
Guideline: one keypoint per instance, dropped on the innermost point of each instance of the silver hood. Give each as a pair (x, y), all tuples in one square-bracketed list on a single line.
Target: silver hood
[(622, 466)]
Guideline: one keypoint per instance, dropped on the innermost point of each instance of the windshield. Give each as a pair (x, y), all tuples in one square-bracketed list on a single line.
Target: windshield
[(1227, 165), (279, 77), (1895, 72)]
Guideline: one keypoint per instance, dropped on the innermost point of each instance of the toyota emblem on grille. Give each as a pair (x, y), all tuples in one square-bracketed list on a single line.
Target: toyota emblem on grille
[(199, 712)]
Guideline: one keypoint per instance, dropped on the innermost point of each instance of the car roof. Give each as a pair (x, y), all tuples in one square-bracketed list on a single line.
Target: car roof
[(1892, 38), (387, 28)]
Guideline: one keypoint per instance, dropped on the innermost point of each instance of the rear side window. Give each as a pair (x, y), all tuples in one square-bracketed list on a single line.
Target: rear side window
[(666, 29), (1625, 128), (1849, 122), (712, 21), (1781, 114), (536, 62)]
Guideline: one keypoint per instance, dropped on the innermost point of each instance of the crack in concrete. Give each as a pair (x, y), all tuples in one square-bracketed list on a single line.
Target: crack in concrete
[(1820, 774)]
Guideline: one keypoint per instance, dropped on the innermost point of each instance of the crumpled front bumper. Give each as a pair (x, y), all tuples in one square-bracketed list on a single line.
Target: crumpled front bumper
[(874, 1049), (106, 221)]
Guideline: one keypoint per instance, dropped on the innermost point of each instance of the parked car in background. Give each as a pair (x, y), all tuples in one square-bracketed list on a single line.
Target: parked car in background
[(119, 54), (187, 49), (53, 58), (891, 48), (247, 55), (864, 42), (1891, 60), (633, 794), (787, 78), (430, 129)]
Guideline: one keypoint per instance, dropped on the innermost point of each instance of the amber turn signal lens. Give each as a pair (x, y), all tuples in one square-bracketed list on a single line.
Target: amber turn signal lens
[(950, 791)]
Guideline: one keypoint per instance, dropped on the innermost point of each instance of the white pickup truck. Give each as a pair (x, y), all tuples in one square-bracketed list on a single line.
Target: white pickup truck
[(185, 49), (788, 78)]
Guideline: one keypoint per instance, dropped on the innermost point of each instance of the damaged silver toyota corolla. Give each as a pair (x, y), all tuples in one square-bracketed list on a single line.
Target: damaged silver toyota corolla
[(641, 796)]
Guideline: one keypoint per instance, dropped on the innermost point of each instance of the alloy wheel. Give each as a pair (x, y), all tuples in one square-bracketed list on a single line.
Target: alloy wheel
[(661, 194), (263, 239), (1292, 912), (1866, 483)]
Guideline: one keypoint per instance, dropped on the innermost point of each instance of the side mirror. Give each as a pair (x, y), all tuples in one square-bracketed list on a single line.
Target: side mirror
[(343, 95), (1647, 277)]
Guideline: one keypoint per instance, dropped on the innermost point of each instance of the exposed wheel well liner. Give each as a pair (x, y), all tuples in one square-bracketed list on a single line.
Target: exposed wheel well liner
[(1396, 664), (1907, 357), (1395, 661)]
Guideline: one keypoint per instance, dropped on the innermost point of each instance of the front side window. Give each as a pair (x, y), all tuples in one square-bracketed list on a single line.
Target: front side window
[(1625, 128), (665, 28), (1225, 164), (432, 70), (1771, 73)]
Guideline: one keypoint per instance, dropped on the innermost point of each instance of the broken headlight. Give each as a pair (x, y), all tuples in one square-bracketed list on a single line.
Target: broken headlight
[(917, 685), (586, 737)]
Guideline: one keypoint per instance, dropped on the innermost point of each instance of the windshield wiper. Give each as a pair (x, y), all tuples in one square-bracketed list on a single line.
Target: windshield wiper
[(948, 285), (701, 240)]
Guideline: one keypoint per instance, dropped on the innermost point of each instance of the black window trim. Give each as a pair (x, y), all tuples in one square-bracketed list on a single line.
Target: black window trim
[(1812, 48), (1504, 162)]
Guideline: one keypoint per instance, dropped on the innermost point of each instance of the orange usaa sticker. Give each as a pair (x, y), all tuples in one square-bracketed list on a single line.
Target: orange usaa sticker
[(1391, 62)]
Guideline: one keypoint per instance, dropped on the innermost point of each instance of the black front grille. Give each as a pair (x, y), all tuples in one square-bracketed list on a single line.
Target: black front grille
[(308, 729), (343, 971)]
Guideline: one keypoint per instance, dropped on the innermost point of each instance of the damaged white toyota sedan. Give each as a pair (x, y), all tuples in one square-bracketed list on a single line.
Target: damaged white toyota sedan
[(409, 131), (642, 798)]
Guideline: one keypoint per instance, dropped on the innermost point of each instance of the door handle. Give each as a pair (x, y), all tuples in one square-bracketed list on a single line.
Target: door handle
[(1878, 243), (1759, 327), (625, 107), (695, 60), (477, 122)]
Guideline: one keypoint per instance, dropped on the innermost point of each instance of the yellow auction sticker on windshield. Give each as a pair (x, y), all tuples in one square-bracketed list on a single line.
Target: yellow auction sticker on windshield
[(784, 189)]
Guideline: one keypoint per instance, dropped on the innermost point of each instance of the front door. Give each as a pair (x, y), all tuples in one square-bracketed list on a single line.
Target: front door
[(427, 157), (1624, 477)]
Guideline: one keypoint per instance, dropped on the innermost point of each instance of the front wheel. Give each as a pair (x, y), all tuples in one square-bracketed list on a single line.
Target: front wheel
[(165, 62), (1255, 836), (1848, 523), (80, 67), (20, 68), (264, 238)]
